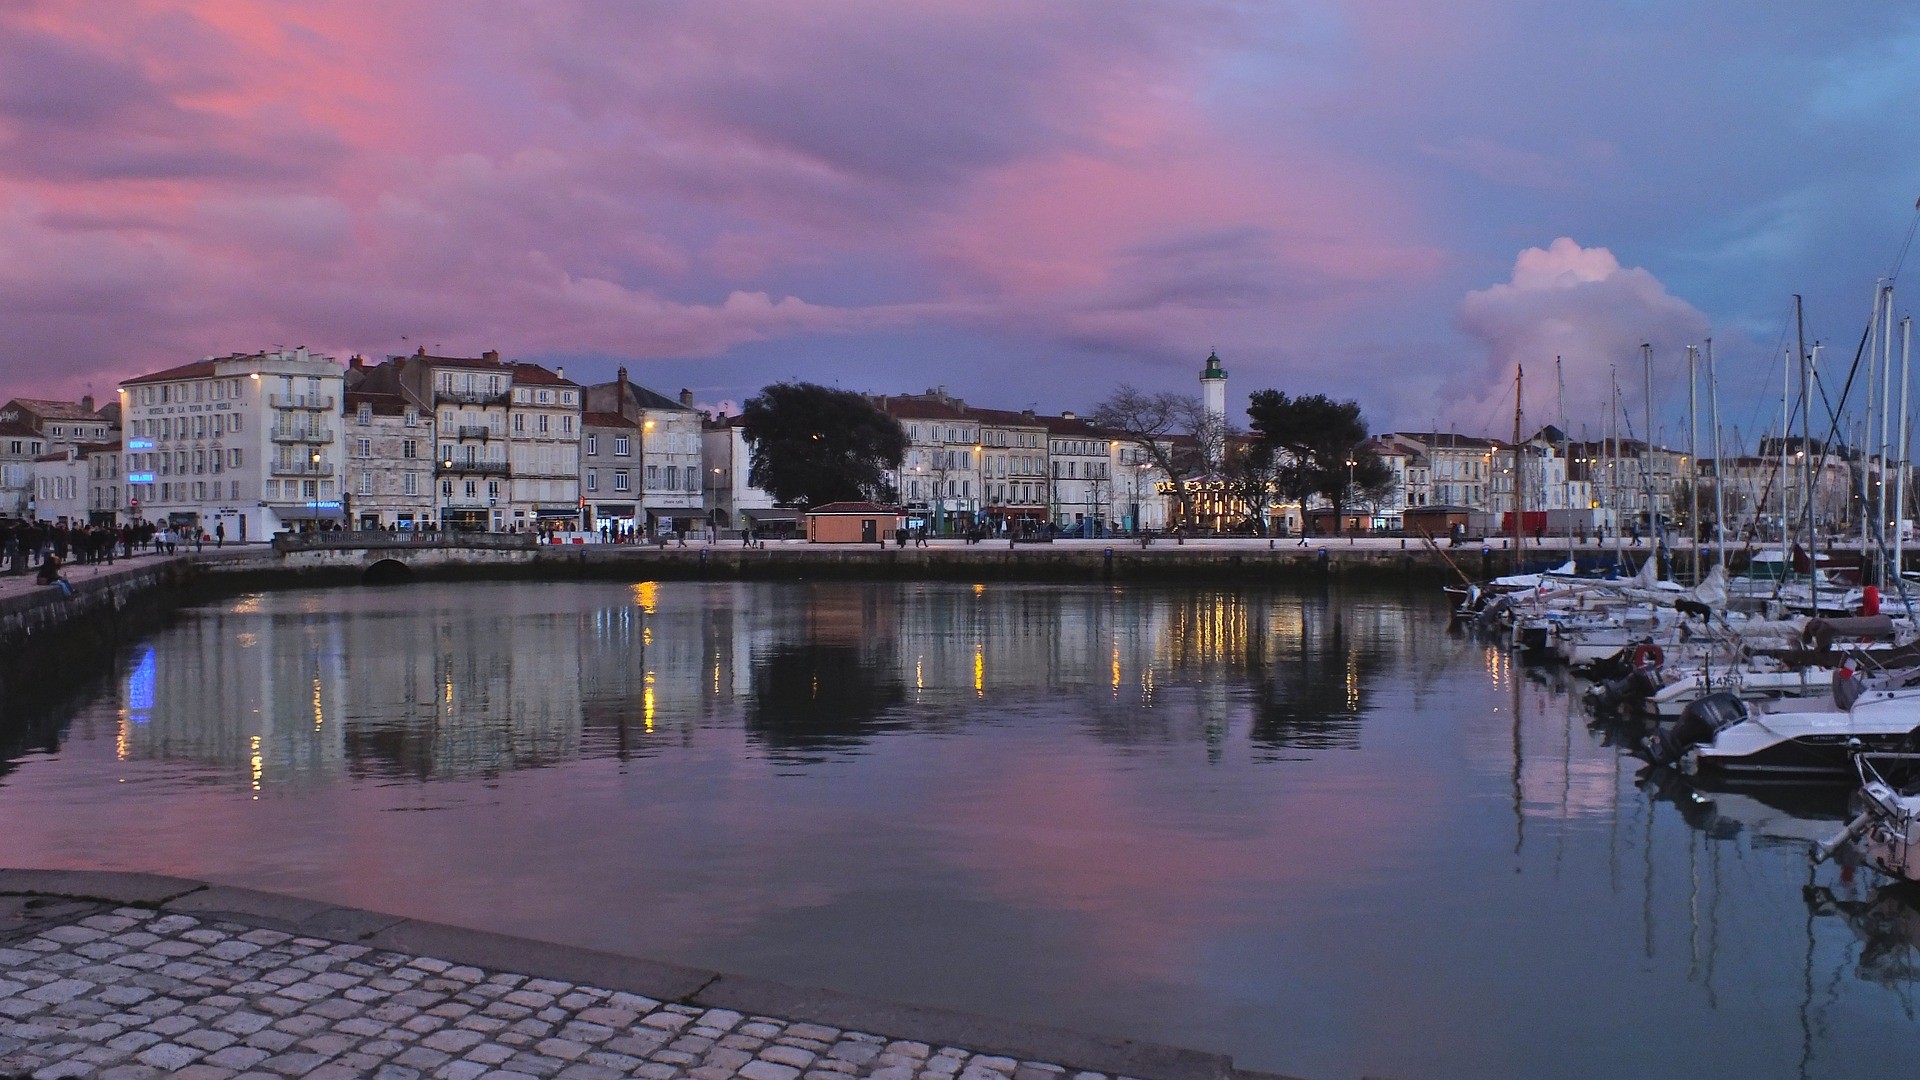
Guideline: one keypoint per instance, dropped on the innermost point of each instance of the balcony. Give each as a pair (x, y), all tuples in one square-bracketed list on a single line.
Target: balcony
[(301, 435), (300, 401), (474, 431), (473, 468), (471, 397), (301, 468)]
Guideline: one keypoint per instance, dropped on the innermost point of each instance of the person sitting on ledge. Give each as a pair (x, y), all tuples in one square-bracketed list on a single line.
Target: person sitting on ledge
[(49, 574)]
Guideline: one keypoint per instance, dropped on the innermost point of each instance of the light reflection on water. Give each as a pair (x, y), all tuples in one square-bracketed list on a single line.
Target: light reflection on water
[(1311, 830)]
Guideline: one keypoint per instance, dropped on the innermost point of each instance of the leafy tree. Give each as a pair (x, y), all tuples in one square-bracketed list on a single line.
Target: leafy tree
[(1313, 437), (1172, 430), (812, 445)]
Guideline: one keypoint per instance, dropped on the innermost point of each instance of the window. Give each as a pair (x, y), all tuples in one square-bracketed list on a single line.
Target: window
[(233, 459), (622, 446), (519, 423), (541, 421), (693, 478), (593, 480), (236, 423), (409, 448), (410, 483), (473, 489), (493, 489), (366, 483), (309, 489), (593, 444), (446, 489), (412, 418), (653, 476), (365, 415), (620, 480), (363, 447)]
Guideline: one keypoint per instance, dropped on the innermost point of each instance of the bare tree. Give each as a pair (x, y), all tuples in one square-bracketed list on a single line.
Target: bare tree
[(1174, 432)]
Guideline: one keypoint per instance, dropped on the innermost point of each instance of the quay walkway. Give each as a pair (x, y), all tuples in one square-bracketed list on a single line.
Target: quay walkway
[(129, 976)]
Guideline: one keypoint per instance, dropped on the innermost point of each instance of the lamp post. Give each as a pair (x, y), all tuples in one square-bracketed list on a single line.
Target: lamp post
[(313, 462), (446, 489), (1351, 462)]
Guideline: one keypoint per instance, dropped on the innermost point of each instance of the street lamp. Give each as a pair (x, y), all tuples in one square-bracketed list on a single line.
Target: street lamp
[(1351, 462), (313, 460), (446, 488)]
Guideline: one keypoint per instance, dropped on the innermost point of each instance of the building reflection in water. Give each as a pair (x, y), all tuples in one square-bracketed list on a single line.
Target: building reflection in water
[(477, 680)]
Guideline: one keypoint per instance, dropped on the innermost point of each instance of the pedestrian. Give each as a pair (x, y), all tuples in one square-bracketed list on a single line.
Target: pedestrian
[(49, 574), (219, 535)]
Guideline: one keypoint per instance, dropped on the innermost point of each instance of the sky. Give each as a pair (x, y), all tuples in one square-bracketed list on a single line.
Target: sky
[(1025, 203)]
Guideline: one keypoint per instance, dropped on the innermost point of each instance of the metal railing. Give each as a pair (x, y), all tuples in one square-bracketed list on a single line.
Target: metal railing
[(300, 401), (474, 431), (309, 435), (453, 538), (474, 467), (471, 397), (301, 468)]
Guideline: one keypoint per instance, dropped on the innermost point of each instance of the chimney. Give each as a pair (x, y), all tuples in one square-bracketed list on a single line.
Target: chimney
[(623, 374), (560, 371), (421, 351), (1066, 416), (686, 397), (86, 402), (491, 355), (356, 361)]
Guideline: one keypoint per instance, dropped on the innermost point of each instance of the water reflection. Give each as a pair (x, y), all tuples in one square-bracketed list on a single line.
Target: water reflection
[(289, 691), (1254, 822)]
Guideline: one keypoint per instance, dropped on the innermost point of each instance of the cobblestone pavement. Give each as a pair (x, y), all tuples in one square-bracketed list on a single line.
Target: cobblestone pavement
[(127, 993)]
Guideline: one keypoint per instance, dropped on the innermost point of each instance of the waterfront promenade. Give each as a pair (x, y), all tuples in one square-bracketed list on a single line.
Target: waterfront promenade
[(130, 976)]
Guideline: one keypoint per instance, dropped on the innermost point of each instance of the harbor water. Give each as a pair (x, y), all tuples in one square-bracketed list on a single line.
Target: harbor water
[(1312, 829)]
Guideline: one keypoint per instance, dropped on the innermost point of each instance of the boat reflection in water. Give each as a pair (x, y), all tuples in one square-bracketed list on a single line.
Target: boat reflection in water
[(1886, 920)]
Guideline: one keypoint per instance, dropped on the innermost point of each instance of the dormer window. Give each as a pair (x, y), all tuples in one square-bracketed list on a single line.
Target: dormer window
[(366, 412)]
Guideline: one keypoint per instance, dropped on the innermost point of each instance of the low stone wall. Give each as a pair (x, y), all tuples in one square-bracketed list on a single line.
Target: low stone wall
[(49, 643)]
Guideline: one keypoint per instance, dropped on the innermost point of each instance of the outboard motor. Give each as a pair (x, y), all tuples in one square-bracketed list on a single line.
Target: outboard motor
[(1698, 723), (1634, 687)]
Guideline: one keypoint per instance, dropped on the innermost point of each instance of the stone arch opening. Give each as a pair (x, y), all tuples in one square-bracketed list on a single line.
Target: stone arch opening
[(387, 572)]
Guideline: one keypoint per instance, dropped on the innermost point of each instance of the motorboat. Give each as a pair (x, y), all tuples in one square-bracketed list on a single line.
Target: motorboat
[(1795, 740), (1886, 832)]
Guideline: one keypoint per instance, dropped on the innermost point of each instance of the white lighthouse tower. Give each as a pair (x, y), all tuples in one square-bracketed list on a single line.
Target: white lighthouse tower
[(1213, 389)]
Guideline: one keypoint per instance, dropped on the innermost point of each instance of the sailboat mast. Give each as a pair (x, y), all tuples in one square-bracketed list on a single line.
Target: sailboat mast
[(1519, 503), (1566, 462), (1868, 511), (1886, 431), (1906, 467), (1613, 463), (1693, 453), (1646, 456), (1719, 464), (1806, 416)]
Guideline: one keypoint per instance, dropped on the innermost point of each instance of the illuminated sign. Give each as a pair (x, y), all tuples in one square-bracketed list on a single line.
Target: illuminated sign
[(140, 444), (140, 478)]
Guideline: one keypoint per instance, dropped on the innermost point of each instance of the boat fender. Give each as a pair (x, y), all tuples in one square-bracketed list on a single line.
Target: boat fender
[(1870, 600), (1846, 687), (1647, 655)]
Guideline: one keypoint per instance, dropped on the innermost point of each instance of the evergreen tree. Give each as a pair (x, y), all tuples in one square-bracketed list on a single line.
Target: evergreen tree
[(811, 445)]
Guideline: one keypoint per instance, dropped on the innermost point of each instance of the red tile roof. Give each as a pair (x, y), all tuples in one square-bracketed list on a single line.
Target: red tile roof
[(607, 419)]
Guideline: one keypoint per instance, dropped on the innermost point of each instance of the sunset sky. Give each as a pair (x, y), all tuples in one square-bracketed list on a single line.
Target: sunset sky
[(1024, 202)]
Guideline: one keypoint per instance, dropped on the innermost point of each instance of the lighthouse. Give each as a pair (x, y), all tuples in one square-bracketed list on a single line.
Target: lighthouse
[(1213, 390)]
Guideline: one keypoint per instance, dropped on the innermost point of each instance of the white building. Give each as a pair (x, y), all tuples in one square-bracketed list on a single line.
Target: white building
[(248, 442), (940, 479), (19, 446), (1080, 463), (60, 487), (672, 488), (508, 438), (733, 502), (388, 445)]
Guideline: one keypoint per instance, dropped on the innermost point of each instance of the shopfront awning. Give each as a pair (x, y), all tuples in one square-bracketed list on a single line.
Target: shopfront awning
[(311, 512), (775, 513)]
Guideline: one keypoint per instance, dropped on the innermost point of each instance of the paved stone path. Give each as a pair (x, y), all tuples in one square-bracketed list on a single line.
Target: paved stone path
[(128, 993)]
